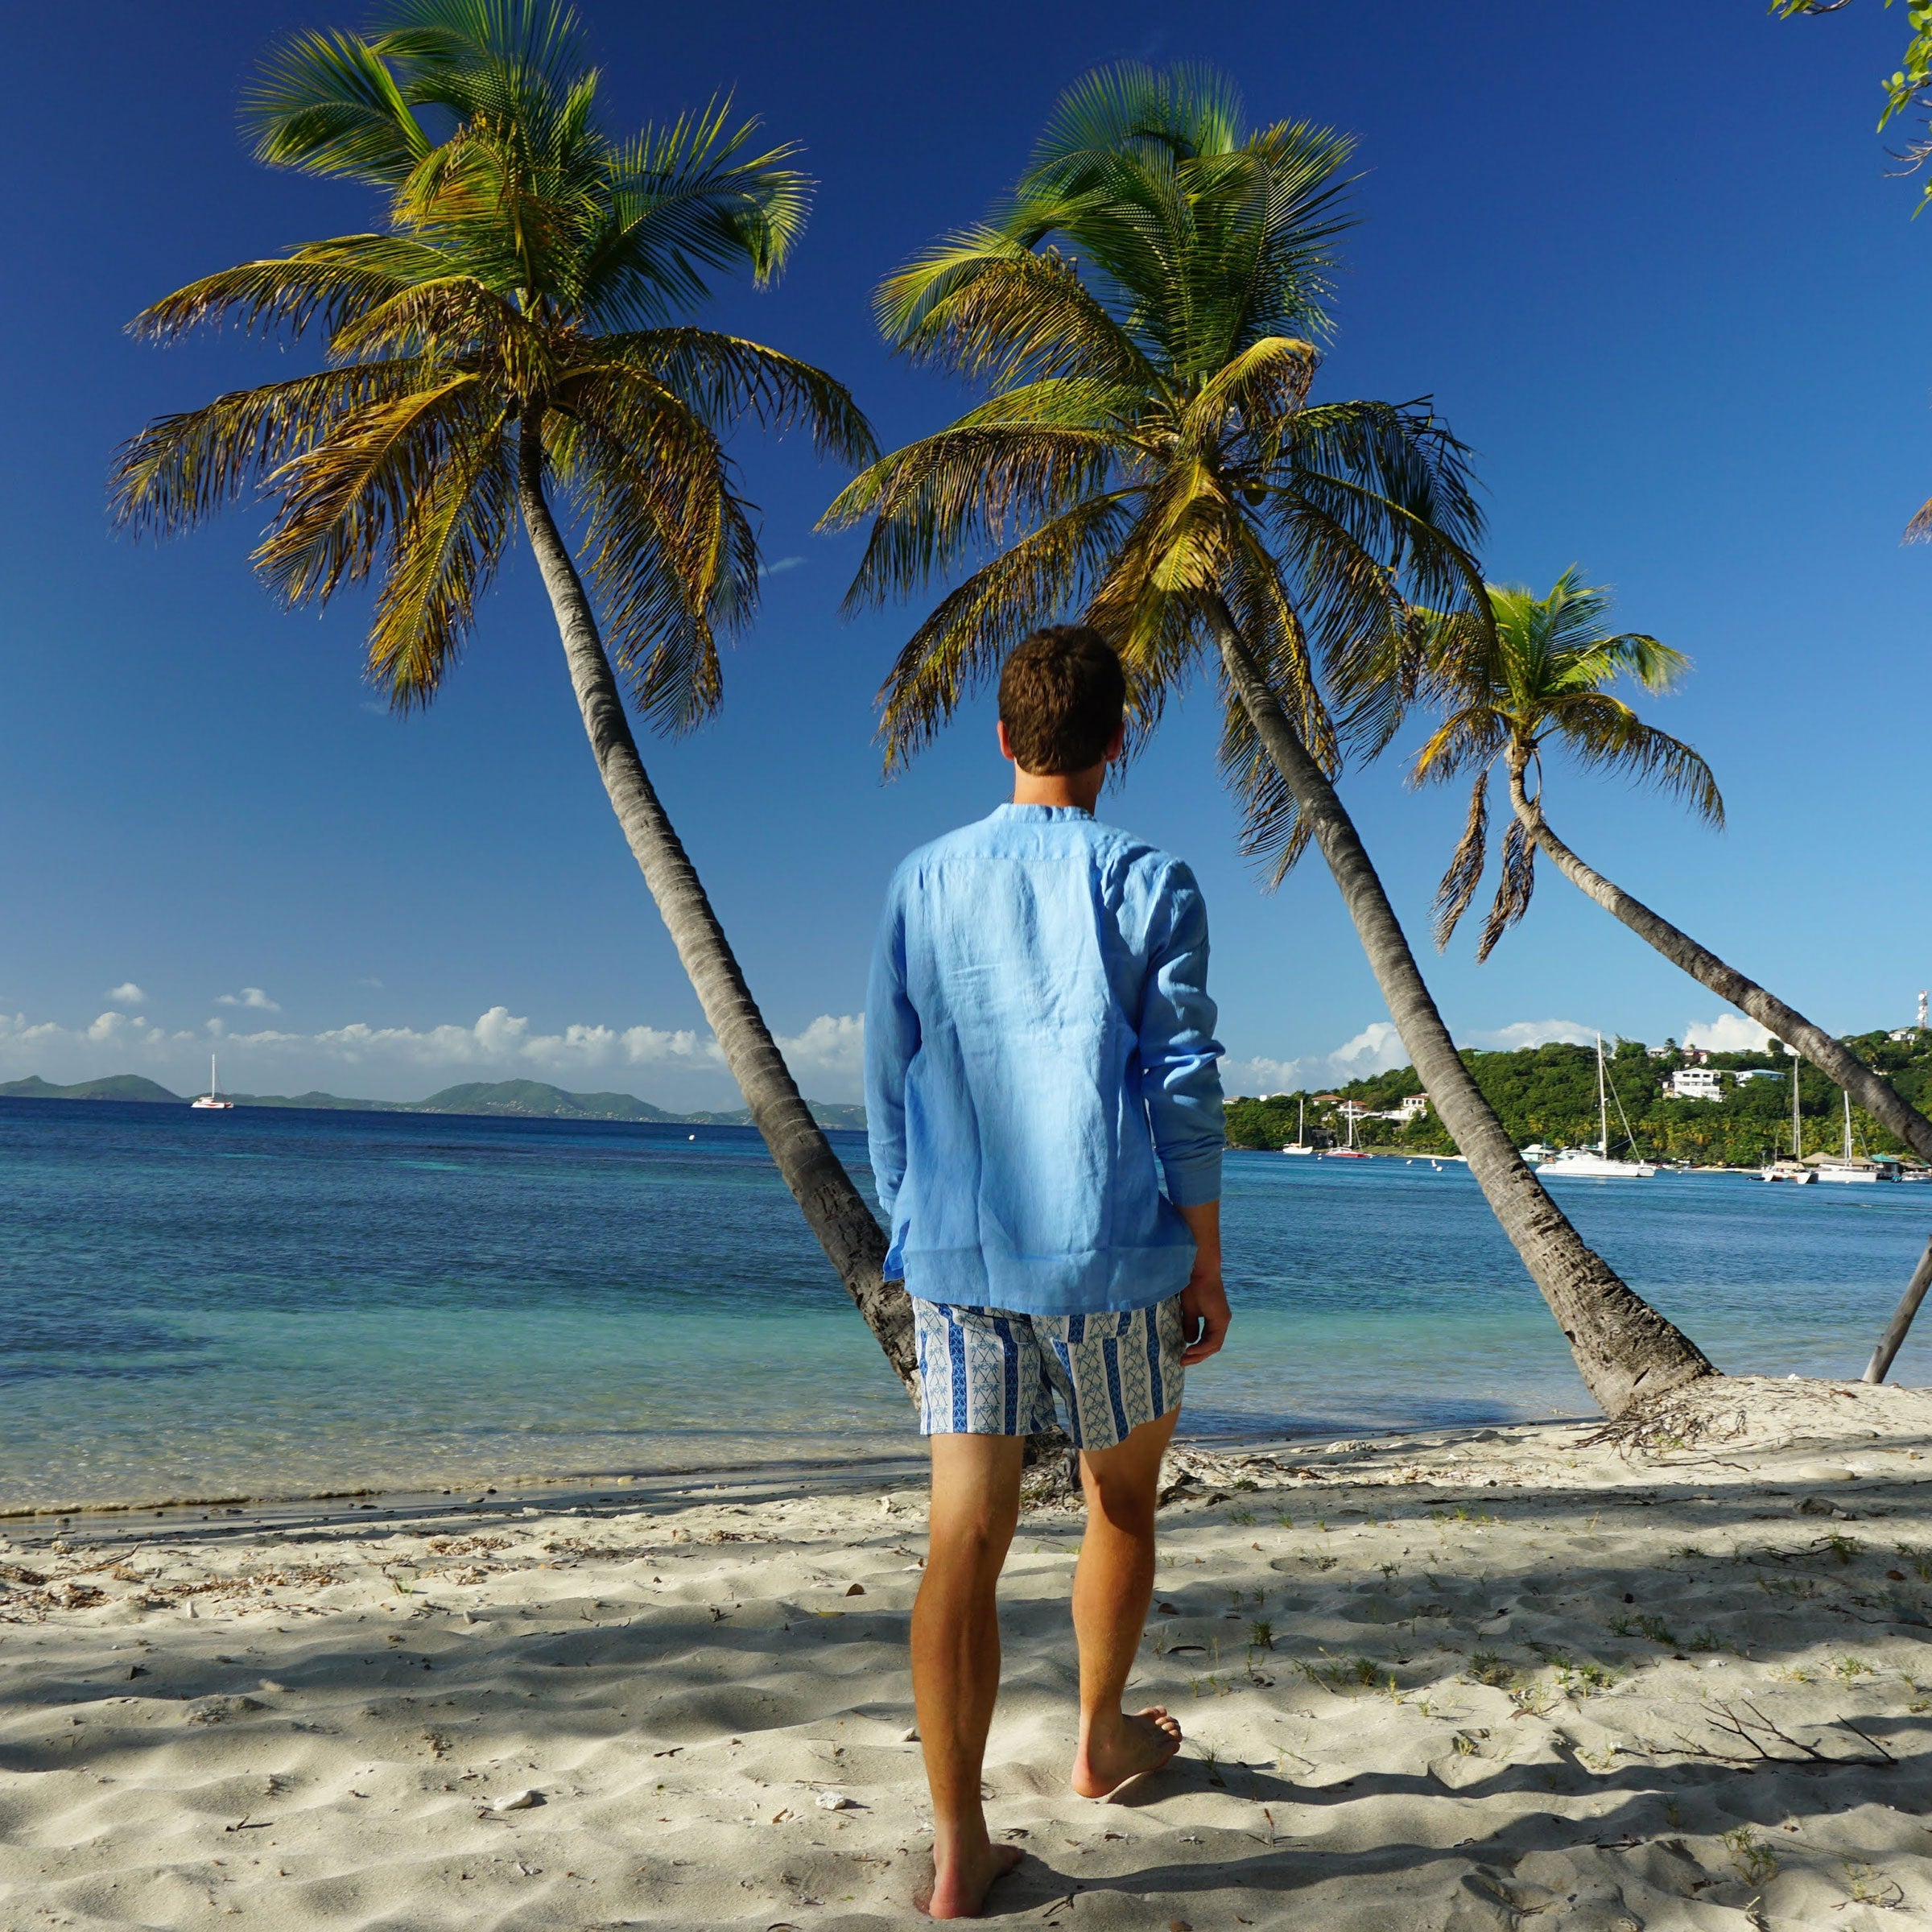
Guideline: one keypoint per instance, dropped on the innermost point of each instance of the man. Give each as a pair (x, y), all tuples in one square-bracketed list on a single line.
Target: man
[(1039, 1059)]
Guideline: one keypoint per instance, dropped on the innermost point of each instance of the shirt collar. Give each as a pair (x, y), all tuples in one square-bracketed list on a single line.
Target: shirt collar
[(1039, 814)]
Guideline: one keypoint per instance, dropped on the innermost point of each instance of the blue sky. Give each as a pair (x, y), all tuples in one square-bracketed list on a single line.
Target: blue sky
[(1645, 258)]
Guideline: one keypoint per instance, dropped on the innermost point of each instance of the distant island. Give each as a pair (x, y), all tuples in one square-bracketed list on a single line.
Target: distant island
[(1726, 1110), (532, 1099)]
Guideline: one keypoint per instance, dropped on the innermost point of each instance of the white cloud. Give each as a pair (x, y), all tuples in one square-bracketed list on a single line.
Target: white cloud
[(127, 994), (779, 568), (827, 1060), (1375, 1049), (1378, 1048), (249, 996), (1729, 1033), (1533, 1033), (684, 1065)]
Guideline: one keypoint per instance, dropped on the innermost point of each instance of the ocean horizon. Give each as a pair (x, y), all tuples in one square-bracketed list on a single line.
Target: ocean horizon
[(276, 1303)]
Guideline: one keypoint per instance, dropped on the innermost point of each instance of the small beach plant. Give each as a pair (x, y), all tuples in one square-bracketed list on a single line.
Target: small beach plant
[(509, 352), (1145, 311), (1538, 679)]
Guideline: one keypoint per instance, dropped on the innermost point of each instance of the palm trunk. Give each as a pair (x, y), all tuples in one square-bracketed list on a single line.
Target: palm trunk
[(847, 1228), (1871, 1091), (1625, 1351)]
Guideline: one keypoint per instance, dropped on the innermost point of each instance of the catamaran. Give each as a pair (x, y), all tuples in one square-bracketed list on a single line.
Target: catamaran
[(1299, 1144), (1580, 1163), (214, 1097), (1848, 1166), (1793, 1170)]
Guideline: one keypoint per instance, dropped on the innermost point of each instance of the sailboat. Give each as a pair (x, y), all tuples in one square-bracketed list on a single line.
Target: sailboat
[(214, 1097), (1580, 1163), (1299, 1144), (1351, 1152), (1793, 1170), (1848, 1166)]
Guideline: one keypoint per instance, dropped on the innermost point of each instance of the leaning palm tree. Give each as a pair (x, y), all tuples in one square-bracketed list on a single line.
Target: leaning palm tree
[(513, 330), (1538, 676), (1148, 454)]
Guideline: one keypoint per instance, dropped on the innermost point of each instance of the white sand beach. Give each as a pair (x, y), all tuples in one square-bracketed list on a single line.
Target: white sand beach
[(1451, 1681)]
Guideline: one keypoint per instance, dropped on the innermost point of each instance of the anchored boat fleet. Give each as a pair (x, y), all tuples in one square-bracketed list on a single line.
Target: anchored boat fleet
[(1597, 1164)]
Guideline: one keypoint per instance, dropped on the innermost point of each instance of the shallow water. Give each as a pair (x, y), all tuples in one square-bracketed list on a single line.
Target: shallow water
[(271, 1301)]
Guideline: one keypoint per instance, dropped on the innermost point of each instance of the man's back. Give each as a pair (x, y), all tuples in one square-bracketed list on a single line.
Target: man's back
[(1039, 1051)]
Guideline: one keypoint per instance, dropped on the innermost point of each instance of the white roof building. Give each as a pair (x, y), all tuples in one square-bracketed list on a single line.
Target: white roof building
[(1693, 1084)]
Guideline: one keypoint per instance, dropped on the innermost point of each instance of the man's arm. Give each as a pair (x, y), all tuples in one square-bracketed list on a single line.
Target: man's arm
[(1181, 1084), (1180, 1058), (1204, 1310), (892, 1037)]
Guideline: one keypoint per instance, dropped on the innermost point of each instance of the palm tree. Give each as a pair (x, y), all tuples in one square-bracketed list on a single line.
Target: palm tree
[(512, 330), (1148, 436), (1540, 675)]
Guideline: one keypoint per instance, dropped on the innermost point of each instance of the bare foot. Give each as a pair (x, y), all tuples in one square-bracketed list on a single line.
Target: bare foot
[(961, 1892), (1142, 1744)]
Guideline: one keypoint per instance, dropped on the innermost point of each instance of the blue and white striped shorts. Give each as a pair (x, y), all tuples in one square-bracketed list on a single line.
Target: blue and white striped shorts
[(991, 1371)]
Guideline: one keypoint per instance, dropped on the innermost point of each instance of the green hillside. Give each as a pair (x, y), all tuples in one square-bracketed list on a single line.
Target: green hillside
[(1548, 1094), (828, 1113), (115, 1087), (538, 1097), (532, 1099)]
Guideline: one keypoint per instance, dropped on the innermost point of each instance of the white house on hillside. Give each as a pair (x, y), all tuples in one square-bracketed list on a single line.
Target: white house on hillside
[(1693, 1084)]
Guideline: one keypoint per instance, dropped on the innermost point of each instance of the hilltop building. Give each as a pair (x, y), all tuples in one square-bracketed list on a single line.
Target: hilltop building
[(1693, 1084)]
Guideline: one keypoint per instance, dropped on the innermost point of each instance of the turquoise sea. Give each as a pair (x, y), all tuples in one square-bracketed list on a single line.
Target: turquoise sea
[(283, 1302)]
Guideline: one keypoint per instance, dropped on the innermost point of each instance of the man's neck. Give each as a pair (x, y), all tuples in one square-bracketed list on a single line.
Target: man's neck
[(1081, 789)]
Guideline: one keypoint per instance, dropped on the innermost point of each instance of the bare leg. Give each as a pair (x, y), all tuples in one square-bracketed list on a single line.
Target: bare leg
[(1111, 1590), (956, 1659)]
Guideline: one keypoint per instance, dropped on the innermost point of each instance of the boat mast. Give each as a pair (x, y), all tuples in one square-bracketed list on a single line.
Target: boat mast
[(1602, 1103), (1301, 1123), (1797, 1145), (1848, 1124)]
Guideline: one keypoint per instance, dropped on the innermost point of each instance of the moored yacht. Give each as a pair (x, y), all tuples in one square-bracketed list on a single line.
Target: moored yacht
[(214, 1097), (1793, 1170), (1580, 1163), (1299, 1144), (1849, 1167)]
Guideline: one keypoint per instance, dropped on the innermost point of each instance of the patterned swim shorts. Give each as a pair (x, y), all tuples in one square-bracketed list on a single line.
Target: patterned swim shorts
[(990, 1371)]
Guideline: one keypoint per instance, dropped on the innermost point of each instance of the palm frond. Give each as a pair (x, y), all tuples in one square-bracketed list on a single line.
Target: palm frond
[(350, 495), (328, 282), (1513, 889), (985, 305), (1655, 666), (444, 558), (723, 378), (1469, 737), (670, 548), (683, 199), (184, 467), (444, 320), (327, 103), (937, 501), (1465, 869)]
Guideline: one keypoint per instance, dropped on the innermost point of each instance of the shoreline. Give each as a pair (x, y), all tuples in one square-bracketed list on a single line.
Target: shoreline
[(789, 1475)]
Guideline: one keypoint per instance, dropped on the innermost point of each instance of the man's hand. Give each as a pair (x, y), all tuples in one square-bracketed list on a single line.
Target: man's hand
[(1204, 1312)]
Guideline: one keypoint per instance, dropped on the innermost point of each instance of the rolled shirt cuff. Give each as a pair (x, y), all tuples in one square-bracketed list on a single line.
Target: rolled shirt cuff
[(1194, 1182)]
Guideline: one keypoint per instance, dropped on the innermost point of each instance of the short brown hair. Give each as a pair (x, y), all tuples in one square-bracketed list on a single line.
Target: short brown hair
[(1063, 696)]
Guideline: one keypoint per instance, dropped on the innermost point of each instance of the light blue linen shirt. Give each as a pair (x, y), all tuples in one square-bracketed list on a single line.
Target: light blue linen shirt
[(1039, 1055)]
